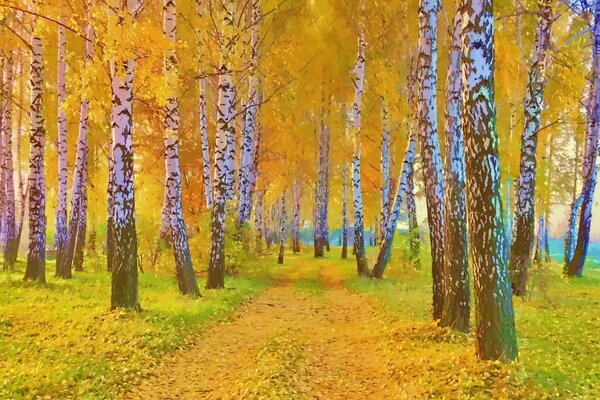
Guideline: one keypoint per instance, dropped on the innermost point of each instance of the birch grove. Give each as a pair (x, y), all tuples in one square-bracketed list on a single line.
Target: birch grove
[(221, 140)]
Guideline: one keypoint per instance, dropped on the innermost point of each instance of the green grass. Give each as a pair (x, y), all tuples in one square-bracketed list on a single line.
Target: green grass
[(62, 341), (558, 328)]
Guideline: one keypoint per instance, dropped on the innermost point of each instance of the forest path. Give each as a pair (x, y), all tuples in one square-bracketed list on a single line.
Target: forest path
[(305, 338)]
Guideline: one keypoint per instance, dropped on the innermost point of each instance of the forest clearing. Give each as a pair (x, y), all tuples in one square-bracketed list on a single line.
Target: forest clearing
[(312, 199)]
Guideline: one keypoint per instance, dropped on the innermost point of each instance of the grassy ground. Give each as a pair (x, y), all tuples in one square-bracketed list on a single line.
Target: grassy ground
[(558, 327), (60, 340)]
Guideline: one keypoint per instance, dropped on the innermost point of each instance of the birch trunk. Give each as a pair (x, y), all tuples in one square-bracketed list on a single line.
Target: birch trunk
[(430, 147), (282, 222), (36, 258), (10, 247), (359, 234), (590, 167), (258, 221), (23, 193), (251, 110), (571, 236), (494, 315), (186, 277), (385, 250), (297, 194), (206, 167), (344, 212), (216, 269), (385, 171), (457, 299), (60, 226), (322, 191), (75, 237), (520, 252), (231, 143), (125, 272)]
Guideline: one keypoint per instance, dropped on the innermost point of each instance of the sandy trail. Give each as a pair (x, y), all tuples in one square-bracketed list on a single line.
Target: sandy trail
[(285, 345)]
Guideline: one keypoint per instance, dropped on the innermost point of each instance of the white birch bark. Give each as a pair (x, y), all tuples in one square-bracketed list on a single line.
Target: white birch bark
[(60, 226), (248, 133), (494, 315), (359, 82), (10, 246), (186, 277), (385, 169), (125, 271), (457, 301), (385, 250), (216, 269), (75, 236), (282, 221), (206, 166), (430, 146), (36, 258), (522, 244)]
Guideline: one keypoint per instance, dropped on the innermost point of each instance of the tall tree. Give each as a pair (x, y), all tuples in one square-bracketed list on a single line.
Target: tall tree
[(385, 170), (322, 197), (494, 316), (457, 303), (249, 126), (430, 146), (359, 229), (385, 250), (344, 212), (522, 244), (216, 269), (258, 220), (60, 227), (296, 194), (186, 277), (10, 246), (206, 167), (590, 167), (282, 222), (75, 237), (124, 268), (36, 258)]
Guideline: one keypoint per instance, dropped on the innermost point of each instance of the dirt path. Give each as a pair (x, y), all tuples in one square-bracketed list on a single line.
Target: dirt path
[(285, 345)]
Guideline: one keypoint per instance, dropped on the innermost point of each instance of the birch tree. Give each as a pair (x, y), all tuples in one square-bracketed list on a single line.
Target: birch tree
[(206, 166), (186, 277), (282, 221), (296, 195), (60, 226), (75, 237), (385, 250), (344, 212), (359, 82), (216, 269), (251, 110), (124, 268), (10, 246), (430, 146), (522, 244), (494, 317), (36, 258), (590, 167), (457, 305), (385, 170)]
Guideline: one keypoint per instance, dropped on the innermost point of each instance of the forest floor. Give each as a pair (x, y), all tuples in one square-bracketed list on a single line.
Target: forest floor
[(321, 333), (309, 329)]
